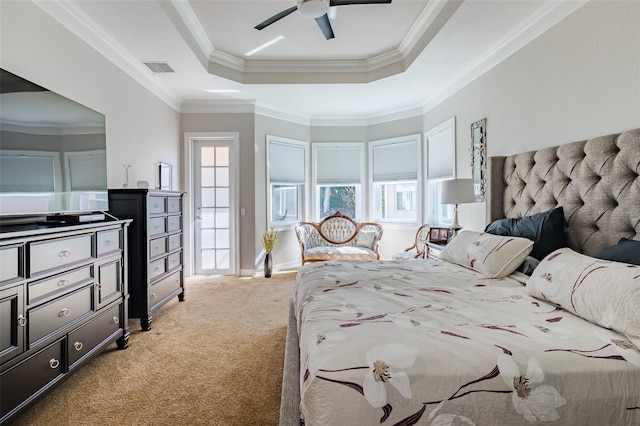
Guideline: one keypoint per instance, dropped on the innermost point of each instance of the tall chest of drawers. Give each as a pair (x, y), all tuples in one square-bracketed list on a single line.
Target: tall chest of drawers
[(155, 248), (63, 298)]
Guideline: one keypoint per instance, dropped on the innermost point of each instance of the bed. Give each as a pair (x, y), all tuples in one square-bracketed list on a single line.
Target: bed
[(467, 339)]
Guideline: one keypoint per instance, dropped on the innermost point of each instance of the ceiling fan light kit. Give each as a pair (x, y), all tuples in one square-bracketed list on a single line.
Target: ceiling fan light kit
[(316, 9), (313, 8)]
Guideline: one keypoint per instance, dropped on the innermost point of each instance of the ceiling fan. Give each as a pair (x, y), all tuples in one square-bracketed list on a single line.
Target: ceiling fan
[(316, 9)]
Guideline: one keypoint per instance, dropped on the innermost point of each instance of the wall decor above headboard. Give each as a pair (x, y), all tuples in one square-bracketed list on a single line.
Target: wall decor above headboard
[(596, 181)]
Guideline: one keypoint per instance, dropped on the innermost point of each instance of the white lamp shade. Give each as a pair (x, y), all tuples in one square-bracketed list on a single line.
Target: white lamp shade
[(457, 191), (313, 8)]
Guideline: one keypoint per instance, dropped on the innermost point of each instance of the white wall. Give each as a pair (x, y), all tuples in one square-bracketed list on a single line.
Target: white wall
[(578, 80), (140, 128)]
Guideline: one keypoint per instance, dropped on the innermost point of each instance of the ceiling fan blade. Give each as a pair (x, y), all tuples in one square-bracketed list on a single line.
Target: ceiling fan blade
[(348, 2), (276, 18), (325, 26)]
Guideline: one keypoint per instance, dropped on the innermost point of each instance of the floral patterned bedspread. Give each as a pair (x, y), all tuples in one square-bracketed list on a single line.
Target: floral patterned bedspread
[(431, 343)]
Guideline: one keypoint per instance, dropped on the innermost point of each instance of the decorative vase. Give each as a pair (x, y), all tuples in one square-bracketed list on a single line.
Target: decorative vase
[(268, 265)]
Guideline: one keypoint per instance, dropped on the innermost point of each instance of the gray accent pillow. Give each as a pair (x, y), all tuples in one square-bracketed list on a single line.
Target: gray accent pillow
[(626, 251), (546, 230)]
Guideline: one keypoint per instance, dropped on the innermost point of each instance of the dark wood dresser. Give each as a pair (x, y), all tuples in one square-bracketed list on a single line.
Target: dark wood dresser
[(155, 248), (63, 299)]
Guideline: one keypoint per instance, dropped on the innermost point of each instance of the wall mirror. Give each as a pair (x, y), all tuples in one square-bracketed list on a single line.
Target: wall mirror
[(478, 157)]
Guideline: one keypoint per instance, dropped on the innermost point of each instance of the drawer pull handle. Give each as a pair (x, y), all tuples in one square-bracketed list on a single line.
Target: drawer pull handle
[(156, 227), (156, 269), (64, 253), (22, 320), (156, 248), (108, 242), (65, 312), (154, 296), (116, 320), (63, 282), (54, 363), (78, 346)]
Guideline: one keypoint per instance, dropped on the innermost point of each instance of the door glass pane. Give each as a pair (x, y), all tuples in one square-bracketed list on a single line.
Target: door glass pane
[(222, 218), (222, 197), (208, 174), (222, 156), (208, 156), (222, 238), (208, 259), (222, 259), (208, 238), (208, 218), (222, 176), (208, 197)]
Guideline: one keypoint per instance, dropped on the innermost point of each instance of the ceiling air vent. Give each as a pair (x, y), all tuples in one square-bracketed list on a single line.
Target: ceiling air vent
[(159, 67)]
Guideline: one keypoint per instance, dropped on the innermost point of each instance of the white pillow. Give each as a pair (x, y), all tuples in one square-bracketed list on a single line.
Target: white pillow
[(601, 291), (494, 256)]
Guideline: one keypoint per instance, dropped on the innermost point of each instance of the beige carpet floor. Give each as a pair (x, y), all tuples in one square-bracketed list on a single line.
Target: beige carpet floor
[(214, 359)]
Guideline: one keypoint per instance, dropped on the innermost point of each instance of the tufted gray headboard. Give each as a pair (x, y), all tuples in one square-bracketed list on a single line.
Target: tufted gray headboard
[(596, 182)]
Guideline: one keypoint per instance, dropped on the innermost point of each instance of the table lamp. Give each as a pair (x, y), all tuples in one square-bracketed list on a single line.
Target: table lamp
[(457, 191)]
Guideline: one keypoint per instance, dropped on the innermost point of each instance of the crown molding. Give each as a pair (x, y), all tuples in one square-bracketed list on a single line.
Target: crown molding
[(76, 21), (227, 106), (395, 61), (80, 24)]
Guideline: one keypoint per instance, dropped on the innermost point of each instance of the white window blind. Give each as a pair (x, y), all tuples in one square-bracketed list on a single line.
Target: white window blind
[(440, 148), (338, 165), (27, 173), (395, 161), (87, 172), (286, 163)]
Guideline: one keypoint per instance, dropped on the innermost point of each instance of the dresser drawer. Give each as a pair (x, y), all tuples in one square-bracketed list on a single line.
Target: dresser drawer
[(56, 314), (157, 247), (157, 225), (174, 223), (82, 340), (156, 205), (156, 268), (28, 377), (175, 242), (57, 285), (57, 253), (108, 242), (10, 263), (174, 260), (174, 205), (163, 288)]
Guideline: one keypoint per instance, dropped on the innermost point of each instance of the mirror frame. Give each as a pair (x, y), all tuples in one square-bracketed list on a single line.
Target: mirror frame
[(479, 157)]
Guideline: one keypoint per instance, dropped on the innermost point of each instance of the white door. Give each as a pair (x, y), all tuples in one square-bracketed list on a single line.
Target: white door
[(213, 184)]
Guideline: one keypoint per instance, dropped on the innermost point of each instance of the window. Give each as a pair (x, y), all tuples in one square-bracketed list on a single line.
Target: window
[(87, 170), (30, 171), (338, 170), (440, 151), (286, 170), (394, 175)]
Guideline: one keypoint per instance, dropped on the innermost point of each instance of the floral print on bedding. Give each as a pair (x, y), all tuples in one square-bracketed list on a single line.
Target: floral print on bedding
[(432, 343)]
